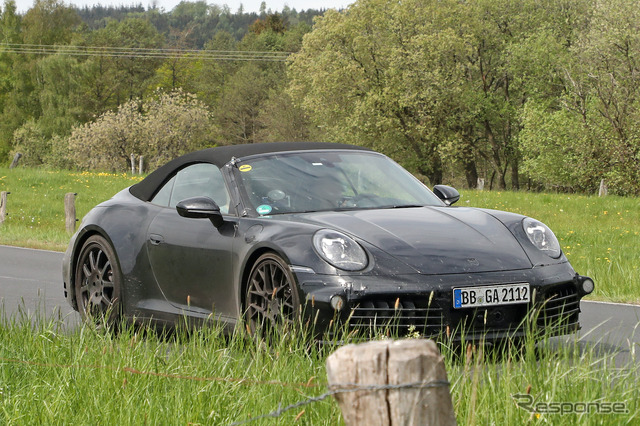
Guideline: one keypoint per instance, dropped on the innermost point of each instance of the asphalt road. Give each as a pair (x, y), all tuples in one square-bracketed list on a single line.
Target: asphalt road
[(31, 284)]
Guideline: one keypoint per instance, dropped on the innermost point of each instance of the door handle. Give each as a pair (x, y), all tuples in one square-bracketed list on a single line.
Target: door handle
[(156, 239)]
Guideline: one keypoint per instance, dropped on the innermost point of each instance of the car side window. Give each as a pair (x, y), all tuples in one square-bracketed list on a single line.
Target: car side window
[(198, 180), (163, 196)]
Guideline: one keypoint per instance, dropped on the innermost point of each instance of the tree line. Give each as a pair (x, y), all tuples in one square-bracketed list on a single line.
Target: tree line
[(98, 79), (537, 94)]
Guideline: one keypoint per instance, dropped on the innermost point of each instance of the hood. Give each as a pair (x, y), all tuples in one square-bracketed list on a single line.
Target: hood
[(434, 240)]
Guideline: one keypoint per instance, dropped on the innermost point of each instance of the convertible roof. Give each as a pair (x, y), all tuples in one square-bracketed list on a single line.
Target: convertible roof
[(220, 156)]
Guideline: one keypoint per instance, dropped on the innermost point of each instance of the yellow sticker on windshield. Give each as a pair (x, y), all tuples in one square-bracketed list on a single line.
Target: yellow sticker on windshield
[(245, 168)]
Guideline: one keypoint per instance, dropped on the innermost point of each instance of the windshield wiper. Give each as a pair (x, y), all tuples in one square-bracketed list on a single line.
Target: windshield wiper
[(404, 206)]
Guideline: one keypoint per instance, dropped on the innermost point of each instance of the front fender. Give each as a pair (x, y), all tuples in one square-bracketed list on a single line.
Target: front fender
[(120, 221)]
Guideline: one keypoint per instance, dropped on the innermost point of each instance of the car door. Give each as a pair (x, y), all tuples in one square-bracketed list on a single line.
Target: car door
[(190, 258)]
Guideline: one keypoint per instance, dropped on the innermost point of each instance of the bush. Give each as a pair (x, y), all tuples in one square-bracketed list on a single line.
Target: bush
[(107, 142), (30, 141), (561, 149), (163, 127), (173, 124)]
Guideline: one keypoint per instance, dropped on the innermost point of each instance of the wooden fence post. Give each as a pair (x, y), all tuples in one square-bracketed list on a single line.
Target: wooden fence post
[(3, 205), (133, 164), (70, 211), (141, 165), (387, 366), (603, 189), (480, 184), (16, 158)]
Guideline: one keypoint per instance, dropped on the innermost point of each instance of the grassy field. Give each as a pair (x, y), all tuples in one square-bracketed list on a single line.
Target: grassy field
[(36, 203), (600, 236), (51, 376)]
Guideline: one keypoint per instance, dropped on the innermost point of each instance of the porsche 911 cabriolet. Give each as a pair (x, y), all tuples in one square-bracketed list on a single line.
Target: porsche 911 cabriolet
[(269, 233)]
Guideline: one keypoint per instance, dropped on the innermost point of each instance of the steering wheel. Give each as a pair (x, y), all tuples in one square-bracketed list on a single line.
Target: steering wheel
[(363, 200)]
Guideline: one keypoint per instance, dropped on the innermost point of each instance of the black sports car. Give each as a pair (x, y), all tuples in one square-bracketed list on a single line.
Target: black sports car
[(338, 232)]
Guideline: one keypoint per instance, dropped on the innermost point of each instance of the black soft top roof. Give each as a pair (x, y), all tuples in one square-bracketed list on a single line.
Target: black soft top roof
[(220, 156)]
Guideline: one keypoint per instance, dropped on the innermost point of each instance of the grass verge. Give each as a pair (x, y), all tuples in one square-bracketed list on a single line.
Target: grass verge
[(49, 375)]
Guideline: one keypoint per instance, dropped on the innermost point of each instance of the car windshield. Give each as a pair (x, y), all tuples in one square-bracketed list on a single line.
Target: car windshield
[(312, 181)]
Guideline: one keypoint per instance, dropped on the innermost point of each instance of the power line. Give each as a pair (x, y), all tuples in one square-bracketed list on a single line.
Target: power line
[(145, 53)]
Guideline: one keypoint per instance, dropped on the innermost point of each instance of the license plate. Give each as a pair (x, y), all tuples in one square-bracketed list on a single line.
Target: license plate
[(491, 295)]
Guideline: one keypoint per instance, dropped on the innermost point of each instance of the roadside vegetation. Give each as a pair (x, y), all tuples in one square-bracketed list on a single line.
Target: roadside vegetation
[(536, 94), (599, 235), (85, 376)]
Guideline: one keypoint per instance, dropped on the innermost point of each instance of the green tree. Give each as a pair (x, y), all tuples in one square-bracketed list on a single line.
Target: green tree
[(38, 148), (37, 94), (438, 84), (590, 131), (253, 89), (49, 22), (57, 88), (609, 62), (10, 27), (239, 106), (384, 74), (210, 77), (107, 142), (124, 76), (280, 120)]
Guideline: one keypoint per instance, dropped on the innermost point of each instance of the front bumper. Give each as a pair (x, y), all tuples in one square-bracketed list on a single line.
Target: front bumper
[(404, 305)]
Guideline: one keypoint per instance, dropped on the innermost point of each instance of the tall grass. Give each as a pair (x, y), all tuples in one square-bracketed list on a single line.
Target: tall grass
[(49, 375)]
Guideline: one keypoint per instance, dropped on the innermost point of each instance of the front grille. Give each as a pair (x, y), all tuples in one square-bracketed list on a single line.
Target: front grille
[(560, 308), (556, 311), (476, 322), (396, 316)]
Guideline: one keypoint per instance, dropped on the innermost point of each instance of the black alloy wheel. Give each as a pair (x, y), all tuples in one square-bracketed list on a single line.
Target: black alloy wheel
[(272, 300), (98, 281)]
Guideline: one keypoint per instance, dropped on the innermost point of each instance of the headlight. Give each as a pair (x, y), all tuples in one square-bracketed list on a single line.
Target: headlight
[(340, 250), (541, 236)]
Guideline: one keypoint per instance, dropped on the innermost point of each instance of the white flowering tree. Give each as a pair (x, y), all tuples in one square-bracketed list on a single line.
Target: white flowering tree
[(160, 128)]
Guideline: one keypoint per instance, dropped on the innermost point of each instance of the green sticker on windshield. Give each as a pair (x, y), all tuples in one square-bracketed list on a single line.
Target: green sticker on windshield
[(264, 209)]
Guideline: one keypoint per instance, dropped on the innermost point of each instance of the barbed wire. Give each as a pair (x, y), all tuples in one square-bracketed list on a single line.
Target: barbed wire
[(308, 384), (146, 53), (345, 388)]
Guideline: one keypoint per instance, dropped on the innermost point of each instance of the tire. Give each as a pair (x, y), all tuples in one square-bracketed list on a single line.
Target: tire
[(272, 299), (98, 282)]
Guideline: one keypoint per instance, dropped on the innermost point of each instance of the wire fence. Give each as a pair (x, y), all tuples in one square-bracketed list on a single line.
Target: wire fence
[(346, 388), (130, 370)]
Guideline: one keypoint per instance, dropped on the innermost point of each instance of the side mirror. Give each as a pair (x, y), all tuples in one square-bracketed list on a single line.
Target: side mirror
[(200, 208), (446, 193)]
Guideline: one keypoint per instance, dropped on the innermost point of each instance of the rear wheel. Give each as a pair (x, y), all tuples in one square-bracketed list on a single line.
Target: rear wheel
[(98, 282), (272, 299)]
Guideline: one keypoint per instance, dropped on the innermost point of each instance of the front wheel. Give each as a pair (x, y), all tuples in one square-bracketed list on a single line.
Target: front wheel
[(98, 281), (272, 299)]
